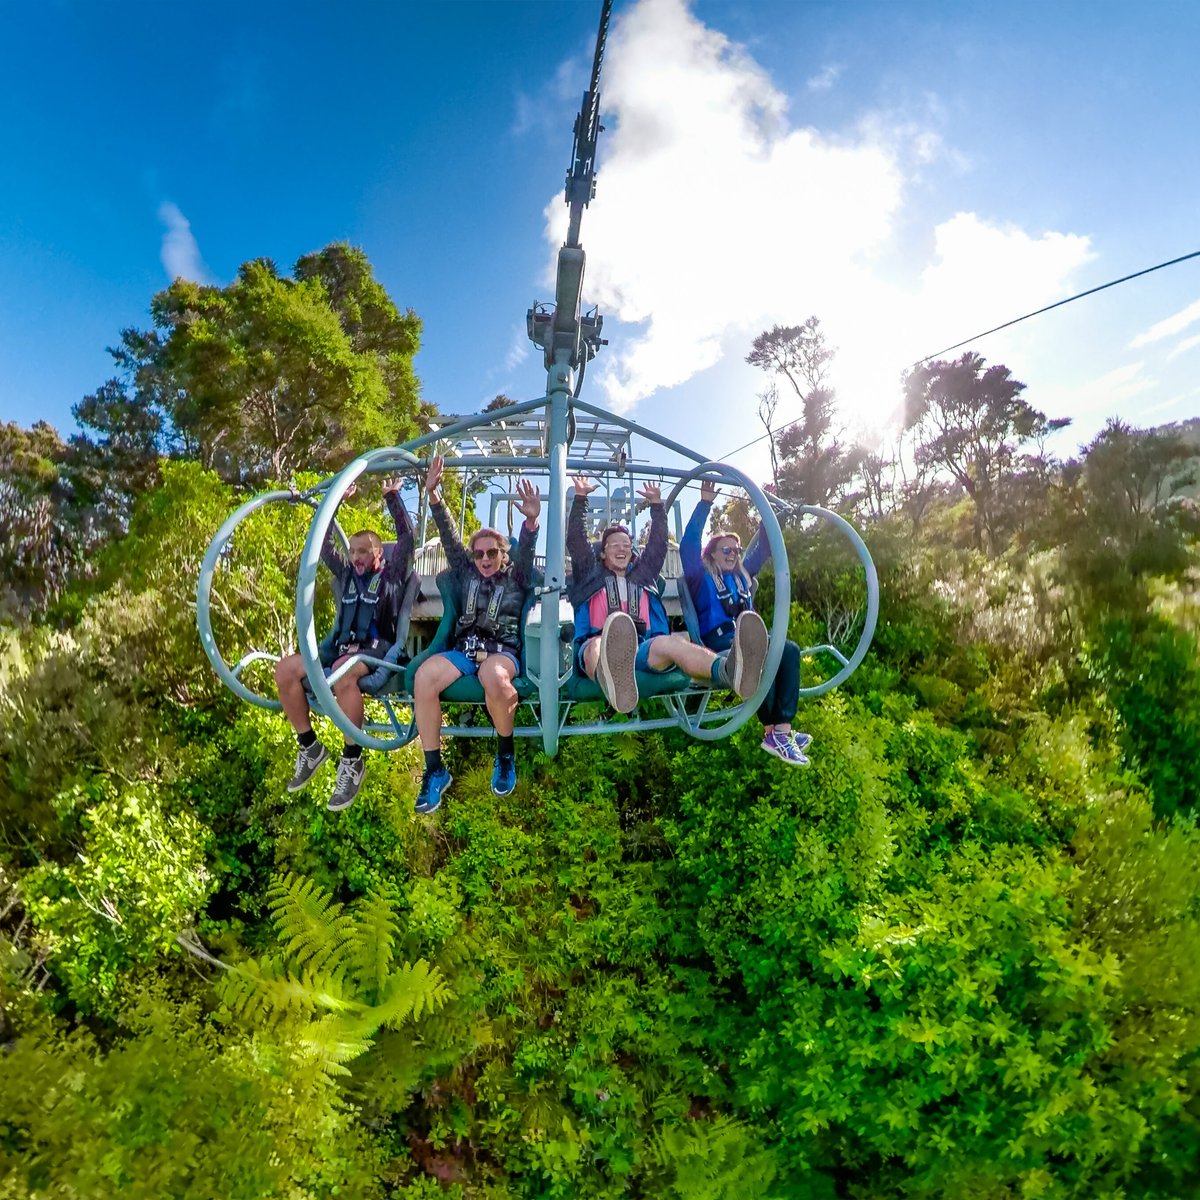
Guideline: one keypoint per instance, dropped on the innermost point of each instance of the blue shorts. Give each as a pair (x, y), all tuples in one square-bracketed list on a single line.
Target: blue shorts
[(468, 666), (640, 663)]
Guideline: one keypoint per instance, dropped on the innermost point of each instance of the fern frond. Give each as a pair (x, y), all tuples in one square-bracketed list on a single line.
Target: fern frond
[(313, 926), (333, 1042), (411, 990), (373, 947), (253, 990)]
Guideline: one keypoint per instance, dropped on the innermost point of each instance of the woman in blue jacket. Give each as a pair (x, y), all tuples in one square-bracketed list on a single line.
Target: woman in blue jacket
[(722, 580)]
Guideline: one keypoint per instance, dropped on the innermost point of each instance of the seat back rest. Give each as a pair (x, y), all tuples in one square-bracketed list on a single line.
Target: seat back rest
[(412, 589), (687, 609)]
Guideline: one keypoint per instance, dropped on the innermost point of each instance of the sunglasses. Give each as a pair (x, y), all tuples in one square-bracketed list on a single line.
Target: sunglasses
[(730, 551), (494, 552)]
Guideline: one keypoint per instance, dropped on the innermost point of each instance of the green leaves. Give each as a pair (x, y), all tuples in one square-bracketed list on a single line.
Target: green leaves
[(337, 967), (138, 879)]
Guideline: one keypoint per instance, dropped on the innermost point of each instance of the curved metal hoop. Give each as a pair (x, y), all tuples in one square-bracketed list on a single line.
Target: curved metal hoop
[(849, 665), (231, 676), (335, 489)]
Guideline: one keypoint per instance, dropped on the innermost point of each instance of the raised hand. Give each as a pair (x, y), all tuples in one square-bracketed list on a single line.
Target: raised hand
[(582, 486), (651, 493), (392, 485), (530, 503), (709, 490), (348, 494), (433, 479)]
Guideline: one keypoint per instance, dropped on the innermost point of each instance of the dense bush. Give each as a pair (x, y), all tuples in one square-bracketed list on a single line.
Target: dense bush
[(954, 957)]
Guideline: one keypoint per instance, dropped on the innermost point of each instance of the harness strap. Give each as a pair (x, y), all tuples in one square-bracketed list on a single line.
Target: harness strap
[(354, 625), (613, 596), (732, 602)]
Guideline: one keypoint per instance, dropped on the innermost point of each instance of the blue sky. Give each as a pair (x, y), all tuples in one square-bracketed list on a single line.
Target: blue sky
[(910, 173)]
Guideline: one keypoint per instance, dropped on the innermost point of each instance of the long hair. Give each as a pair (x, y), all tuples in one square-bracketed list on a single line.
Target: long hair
[(709, 558), (503, 542)]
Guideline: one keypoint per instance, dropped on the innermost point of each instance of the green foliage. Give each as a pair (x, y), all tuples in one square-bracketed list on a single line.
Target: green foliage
[(1151, 672), (174, 1107), (138, 879), (41, 541), (338, 972), (953, 957)]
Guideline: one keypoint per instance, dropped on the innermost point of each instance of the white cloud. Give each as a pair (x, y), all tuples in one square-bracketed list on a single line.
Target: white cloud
[(1169, 327), (1092, 402), (538, 111), (712, 217), (180, 254), (825, 78), (717, 217), (1187, 344), (518, 350)]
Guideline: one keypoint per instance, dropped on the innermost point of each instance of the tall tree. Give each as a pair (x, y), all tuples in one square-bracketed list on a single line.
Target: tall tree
[(39, 541), (265, 376), (1125, 516), (972, 424), (812, 464)]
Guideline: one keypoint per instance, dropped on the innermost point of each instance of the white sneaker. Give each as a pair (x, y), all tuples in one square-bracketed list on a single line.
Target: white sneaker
[(742, 669), (349, 779), (615, 667)]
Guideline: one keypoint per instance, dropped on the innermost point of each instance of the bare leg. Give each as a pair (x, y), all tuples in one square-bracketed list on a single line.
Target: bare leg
[(433, 677), (674, 650), (496, 673), (289, 678), (347, 693), (591, 657)]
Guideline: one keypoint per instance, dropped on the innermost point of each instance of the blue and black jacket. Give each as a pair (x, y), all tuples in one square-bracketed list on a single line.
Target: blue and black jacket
[(717, 608)]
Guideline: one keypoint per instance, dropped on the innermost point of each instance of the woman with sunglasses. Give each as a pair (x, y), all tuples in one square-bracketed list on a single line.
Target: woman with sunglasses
[(722, 581), (487, 638)]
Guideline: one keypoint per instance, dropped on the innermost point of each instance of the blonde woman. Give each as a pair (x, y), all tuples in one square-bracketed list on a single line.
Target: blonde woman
[(487, 639), (721, 581)]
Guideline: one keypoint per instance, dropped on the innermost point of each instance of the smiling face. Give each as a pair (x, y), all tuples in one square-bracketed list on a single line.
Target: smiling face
[(488, 554), (617, 551), (366, 553), (726, 552)]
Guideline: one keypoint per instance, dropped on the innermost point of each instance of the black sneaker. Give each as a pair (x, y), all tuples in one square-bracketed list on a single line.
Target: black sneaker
[(307, 761), (615, 667), (351, 772)]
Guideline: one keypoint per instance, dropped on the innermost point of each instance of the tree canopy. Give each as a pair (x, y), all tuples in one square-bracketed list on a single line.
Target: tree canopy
[(955, 957), (263, 377)]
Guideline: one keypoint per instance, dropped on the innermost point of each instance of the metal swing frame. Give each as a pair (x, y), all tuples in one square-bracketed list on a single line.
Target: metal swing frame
[(570, 339)]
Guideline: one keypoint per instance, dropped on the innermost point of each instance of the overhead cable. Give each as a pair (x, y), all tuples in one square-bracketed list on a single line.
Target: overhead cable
[(994, 329)]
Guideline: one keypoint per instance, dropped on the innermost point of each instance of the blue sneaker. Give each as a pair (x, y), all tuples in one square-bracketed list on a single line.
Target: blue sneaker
[(429, 798), (783, 748), (802, 740), (504, 776)]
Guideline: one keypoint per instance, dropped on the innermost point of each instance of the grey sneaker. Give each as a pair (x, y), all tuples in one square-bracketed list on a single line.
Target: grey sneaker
[(615, 668), (742, 668), (307, 761), (349, 779)]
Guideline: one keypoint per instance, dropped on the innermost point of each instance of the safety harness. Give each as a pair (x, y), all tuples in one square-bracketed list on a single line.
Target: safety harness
[(612, 594), (357, 614), (486, 614), (733, 600)]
